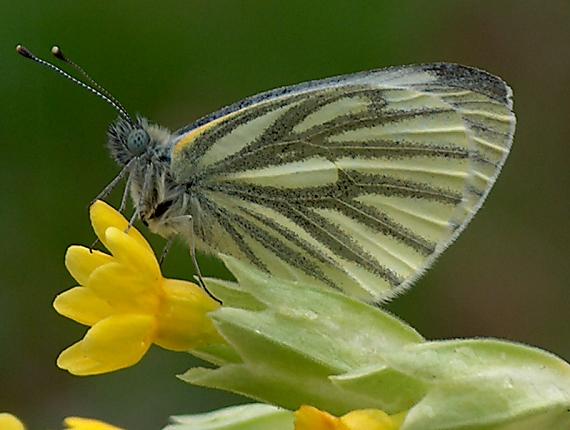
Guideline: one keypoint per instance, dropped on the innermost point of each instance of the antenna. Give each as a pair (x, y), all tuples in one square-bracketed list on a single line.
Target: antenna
[(94, 88), (58, 53)]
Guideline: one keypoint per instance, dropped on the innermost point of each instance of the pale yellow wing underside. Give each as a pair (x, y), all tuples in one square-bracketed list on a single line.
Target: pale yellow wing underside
[(357, 182)]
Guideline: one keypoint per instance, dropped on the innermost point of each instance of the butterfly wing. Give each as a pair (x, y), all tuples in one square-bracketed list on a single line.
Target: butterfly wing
[(356, 182)]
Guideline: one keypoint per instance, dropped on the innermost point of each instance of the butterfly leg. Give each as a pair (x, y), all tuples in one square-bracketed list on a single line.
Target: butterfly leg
[(187, 222), (93, 245), (132, 220), (114, 182), (165, 250), (144, 192), (109, 188), (125, 194)]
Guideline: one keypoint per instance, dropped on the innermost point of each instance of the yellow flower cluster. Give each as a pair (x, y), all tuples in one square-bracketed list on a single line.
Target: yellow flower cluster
[(126, 301), (76, 423), (306, 418), (129, 306), (310, 418), (10, 422)]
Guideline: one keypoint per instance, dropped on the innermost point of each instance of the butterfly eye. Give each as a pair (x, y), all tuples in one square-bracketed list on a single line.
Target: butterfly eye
[(137, 141)]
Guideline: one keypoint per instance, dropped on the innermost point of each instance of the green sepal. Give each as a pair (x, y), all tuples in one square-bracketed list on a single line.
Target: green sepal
[(290, 344), (486, 384), (245, 417), (299, 338), (393, 391)]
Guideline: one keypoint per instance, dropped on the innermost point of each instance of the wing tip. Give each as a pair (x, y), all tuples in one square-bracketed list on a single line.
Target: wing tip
[(473, 79)]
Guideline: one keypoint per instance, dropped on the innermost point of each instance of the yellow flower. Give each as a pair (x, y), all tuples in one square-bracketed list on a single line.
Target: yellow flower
[(127, 302), (76, 423), (10, 422), (310, 418)]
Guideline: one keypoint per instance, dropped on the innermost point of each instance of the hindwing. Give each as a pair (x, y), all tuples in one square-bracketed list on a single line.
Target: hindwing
[(357, 182)]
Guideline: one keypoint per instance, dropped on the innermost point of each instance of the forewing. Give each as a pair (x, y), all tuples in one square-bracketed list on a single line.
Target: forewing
[(356, 182)]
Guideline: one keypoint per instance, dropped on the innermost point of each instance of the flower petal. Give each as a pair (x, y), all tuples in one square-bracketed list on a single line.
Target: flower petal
[(10, 422), (77, 423), (371, 419), (104, 216), (183, 321), (76, 362), (114, 343), (81, 304), (81, 262), (129, 252), (124, 289), (120, 339), (310, 418)]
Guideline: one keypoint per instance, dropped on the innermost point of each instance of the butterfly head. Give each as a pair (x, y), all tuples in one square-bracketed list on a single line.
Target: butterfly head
[(127, 140), (142, 150)]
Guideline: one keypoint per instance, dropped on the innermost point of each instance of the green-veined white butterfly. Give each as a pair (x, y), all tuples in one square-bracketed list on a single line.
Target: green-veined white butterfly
[(356, 182)]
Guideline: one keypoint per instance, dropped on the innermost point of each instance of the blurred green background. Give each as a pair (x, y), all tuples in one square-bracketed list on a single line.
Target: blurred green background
[(173, 61)]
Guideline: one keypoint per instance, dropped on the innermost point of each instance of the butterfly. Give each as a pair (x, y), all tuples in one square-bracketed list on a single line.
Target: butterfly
[(356, 183)]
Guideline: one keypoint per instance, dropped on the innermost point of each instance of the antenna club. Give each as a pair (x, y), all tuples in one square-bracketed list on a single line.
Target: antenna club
[(24, 52), (58, 53), (94, 88)]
